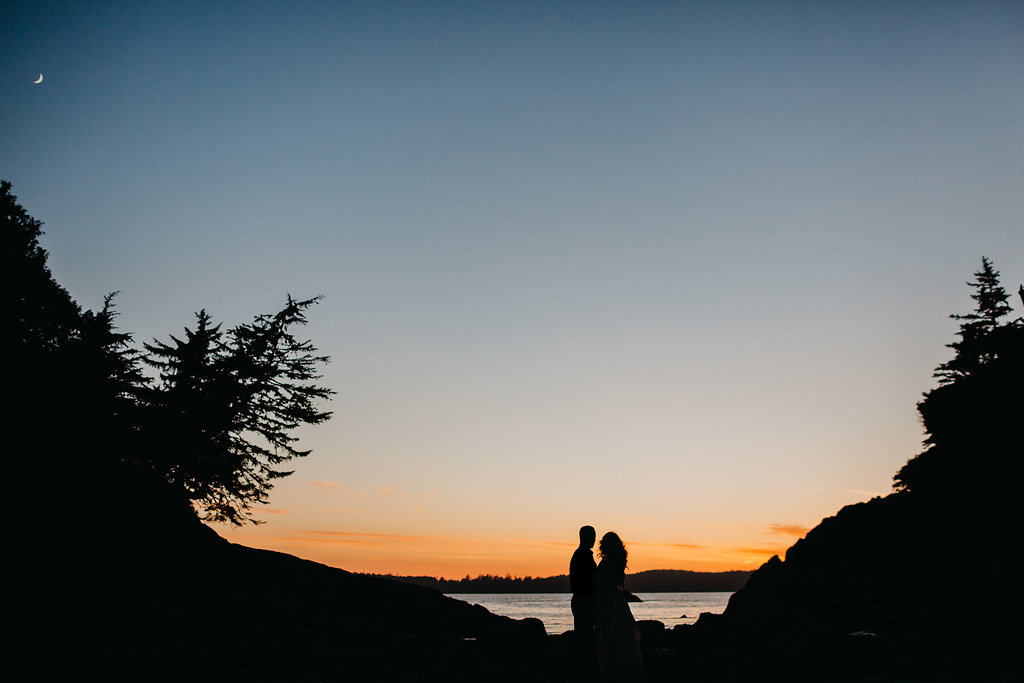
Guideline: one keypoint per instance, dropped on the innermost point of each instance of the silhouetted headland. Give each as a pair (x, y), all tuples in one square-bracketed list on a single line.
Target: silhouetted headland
[(921, 584), (650, 581), (163, 596)]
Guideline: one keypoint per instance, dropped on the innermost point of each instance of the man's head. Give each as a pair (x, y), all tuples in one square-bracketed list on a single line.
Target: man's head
[(587, 536)]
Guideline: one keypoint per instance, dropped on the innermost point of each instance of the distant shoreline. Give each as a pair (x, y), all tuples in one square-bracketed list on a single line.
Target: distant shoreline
[(651, 581)]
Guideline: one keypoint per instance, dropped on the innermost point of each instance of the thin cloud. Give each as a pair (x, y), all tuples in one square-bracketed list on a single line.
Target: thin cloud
[(861, 492), (688, 546), (388, 492), (373, 538), (787, 529), (720, 525), (336, 490), (857, 492), (763, 552), (470, 545)]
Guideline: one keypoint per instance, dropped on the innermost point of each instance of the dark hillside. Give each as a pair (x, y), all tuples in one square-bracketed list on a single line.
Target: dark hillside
[(174, 601), (922, 583), (889, 587), (112, 575)]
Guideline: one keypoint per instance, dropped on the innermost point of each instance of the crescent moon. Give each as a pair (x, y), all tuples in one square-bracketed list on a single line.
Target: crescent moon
[(39, 80)]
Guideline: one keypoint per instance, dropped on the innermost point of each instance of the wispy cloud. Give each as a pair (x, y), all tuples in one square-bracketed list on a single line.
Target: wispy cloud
[(367, 534), (558, 544), (865, 494), (765, 552), (787, 529), (460, 541), (336, 490), (860, 493), (647, 544), (357, 538), (333, 489), (720, 525)]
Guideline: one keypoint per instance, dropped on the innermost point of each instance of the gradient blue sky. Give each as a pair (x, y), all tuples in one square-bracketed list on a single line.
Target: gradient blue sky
[(681, 270)]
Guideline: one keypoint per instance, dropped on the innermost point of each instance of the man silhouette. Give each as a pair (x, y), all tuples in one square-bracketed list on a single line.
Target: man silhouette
[(581, 579)]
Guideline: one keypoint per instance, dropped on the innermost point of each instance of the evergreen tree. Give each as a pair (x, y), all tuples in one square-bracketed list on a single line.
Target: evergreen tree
[(108, 377), (71, 380), (39, 315), (226, 406), (212, 431), (182, 418), (973, 418), (975, 348)]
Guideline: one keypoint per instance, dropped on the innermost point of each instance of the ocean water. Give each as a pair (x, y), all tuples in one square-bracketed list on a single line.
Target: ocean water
[(553, 608)]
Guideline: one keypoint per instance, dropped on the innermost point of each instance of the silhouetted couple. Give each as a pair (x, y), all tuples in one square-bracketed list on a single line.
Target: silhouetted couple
[(602, 620)]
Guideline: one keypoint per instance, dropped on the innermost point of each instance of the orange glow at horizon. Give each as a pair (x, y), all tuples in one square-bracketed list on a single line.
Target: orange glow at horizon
[(456, 557), (383, 527)]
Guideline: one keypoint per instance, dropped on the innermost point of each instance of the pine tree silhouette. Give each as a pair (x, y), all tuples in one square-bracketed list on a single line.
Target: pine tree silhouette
[(973, 418)]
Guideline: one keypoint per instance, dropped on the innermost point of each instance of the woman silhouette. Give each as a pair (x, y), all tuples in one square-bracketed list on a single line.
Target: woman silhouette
[(618, 639)]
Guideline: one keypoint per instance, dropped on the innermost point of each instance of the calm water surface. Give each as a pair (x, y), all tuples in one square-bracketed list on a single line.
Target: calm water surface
[(553, 608)]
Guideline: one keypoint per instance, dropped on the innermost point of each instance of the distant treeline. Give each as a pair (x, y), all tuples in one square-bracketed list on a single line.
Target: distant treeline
[(653, 581)]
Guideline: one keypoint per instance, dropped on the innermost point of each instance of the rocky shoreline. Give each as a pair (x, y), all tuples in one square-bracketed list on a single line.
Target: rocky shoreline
[(160, 596), (191, 606)]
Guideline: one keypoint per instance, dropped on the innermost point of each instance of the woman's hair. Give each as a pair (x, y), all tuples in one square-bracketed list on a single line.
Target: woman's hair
[(611, 548)]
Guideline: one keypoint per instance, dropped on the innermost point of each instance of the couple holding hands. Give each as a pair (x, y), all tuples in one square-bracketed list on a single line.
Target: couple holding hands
[(601, 615)]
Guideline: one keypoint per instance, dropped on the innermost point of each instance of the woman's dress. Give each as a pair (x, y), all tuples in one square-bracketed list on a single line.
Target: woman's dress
[(618, 639)]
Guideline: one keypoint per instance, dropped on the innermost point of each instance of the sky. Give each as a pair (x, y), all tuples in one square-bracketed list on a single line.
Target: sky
[(677, 270)]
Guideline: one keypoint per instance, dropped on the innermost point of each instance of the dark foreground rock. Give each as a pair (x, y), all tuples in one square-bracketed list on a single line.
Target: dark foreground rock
[(896, 588), (867, 595), (159, 596), (245, 614)]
